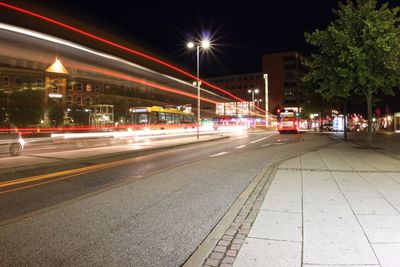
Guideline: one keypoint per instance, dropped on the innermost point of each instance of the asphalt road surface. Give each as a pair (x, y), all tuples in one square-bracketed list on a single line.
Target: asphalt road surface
[(150, 210)]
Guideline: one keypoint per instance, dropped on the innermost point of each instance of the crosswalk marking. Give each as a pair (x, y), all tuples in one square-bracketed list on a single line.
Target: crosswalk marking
[(218, 154), (242, 146)]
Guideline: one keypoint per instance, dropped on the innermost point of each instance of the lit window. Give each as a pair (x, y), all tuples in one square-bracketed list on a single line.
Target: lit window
[(88, 87)]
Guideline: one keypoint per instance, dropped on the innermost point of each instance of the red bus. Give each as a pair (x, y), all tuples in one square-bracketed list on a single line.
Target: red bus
[(288, 122)]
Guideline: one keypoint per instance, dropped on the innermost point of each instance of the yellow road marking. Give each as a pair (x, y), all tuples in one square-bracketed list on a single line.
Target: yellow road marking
[(67, 172)]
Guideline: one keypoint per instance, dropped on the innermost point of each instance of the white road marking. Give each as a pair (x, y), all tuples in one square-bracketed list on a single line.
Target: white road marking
[(258, 140), (270, 144), (218, 154), (280, 140), (242, 146)]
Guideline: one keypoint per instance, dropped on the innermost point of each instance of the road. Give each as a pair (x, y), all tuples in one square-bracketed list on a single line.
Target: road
[(150, 210)]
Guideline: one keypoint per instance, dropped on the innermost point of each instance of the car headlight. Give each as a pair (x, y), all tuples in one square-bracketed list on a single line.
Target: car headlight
[(22, 142)]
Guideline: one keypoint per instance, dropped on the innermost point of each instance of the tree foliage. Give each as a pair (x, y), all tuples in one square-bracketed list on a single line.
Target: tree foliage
[(25, 107), (56, 114), (359, 53), (79, 115)]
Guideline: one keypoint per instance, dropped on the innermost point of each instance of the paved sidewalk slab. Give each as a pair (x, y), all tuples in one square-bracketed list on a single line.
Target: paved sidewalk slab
[(338, 206), (262, 252), (277, 225), (284, 193), (332, 234)]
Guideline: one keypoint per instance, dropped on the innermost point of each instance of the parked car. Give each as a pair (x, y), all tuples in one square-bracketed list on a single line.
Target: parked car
[(10, 139), (327, 127)]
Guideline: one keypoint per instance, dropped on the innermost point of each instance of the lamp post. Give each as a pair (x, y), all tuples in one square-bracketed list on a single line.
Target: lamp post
[(203, 44), (252, 92), (258, 101)]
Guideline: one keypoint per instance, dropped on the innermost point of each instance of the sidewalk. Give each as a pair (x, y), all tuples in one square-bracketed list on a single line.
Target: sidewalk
[(337, 206)]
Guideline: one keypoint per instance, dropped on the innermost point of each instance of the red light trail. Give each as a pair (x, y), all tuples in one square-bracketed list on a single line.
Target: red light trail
[(124, 48), (144, 82)]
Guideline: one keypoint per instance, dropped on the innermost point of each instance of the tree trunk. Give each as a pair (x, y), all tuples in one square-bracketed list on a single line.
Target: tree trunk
[(369, 107), (345, 119)]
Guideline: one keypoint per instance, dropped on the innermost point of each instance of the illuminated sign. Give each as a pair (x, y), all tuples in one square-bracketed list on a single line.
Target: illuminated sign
[(138, 110), (55, 95)]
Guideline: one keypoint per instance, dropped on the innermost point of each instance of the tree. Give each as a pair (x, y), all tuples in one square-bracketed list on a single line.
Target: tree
[(56, 114), (79, 115), (26, 107), (359, 53), (3, 106)]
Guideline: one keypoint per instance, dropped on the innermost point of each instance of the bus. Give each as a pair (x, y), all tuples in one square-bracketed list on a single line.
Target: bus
[(288, 122), (159, 118)]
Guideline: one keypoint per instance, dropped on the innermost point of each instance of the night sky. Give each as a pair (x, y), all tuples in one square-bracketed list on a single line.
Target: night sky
[(241, 30)]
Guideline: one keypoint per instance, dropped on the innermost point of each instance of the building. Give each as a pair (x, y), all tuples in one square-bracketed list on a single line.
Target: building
[(243, 85), (285, 71)]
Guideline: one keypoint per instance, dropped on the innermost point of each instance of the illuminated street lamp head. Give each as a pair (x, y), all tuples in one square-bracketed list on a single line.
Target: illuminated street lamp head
[(249, 91), (205, 44), (256, 91), (190, 45)]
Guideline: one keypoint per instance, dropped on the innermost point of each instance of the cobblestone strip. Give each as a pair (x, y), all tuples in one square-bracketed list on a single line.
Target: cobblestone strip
[(227, 248)]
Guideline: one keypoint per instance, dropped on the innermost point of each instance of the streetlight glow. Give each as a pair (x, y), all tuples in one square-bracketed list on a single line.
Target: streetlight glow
[(190, 45), (205, 44), (256, 91)]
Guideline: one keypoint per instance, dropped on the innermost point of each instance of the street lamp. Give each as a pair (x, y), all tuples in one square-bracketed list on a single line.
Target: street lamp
[(258, 101), (252, 92), (205, 44)]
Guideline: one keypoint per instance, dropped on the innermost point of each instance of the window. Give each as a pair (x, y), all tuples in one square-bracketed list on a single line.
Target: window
[(17, 80), (239, 78), (79, 100), (96, 100), (39, 83), (54, 86), (97, 88), (177, 118), (6, 80), (161, 117), (88, 87), (79, 87), (70, 88), (245, 78), (69, 100), (88, 101), (251, 77), (169, 118)]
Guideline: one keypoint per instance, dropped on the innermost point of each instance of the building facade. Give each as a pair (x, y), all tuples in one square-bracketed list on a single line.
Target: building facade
[(244, 85), (285, 71)]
